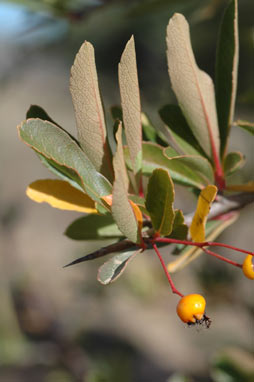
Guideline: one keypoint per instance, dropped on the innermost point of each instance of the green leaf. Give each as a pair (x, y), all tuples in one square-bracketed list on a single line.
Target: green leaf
[(199, 165), (54, 144), (226, 71), (179, 130), (89, 111), (193, 87), (180, 229), (139, 201), (248, 126), (130, 99), (153, 157), (150, 133), (62, 172), (114, 267), (93, 227), (36, 111), (121, 208), (233, 161), (159, 201)]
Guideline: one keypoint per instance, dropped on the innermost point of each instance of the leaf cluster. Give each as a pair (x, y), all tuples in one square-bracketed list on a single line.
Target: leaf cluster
[(128, 193)]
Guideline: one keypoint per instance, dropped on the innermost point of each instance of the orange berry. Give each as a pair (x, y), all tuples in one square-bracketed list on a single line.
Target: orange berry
[(248, 267), (191, 308)]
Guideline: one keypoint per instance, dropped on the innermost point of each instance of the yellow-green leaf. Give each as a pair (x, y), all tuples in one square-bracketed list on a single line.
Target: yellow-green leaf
[(205, 199), (246, 125), (60, 194), (247, 187), (232, 162), (159, 201)]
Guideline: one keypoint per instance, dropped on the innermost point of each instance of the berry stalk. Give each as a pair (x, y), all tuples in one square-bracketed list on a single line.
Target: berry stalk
[(173, 288)]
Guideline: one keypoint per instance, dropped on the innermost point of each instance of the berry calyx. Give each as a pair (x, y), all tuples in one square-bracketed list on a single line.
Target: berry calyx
[(191, 309), (248, 267)]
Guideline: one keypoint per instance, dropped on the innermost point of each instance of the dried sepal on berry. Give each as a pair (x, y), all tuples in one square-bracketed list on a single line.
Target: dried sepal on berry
[(191, 310)]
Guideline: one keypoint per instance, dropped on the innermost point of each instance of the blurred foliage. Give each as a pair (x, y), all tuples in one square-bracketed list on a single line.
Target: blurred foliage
[(62, 8)]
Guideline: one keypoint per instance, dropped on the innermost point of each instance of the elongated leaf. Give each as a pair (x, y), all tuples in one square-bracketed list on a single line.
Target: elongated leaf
[(36, 111), (193, 88), (122, 210), (233, 161), (180, 229), (226, 71), (248, 126), (200, 165), (159, 201), (150, 133), (245, 187), (130, 98), (153, 157), (109, 198), (120, 246), (53, 143), (93, 227), (60, 194), (189, 253), (114, 267), (102, 209), (62, 172), (179, 130), (120, 157), (205, 199), (88, 109)]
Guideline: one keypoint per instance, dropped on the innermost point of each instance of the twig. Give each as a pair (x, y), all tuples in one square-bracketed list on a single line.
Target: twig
[(116, 247), (222, 206)]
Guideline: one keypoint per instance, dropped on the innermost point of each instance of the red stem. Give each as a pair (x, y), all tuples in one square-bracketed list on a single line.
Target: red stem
[(174, 290), (222, 258), (201, 244), (214, 244), (141, 190)]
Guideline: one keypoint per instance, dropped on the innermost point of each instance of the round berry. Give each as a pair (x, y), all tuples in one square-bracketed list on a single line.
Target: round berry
[(191, 308), (248, 267)]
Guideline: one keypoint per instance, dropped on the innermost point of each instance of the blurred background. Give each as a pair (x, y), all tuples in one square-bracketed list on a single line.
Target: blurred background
[(61, 325)]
